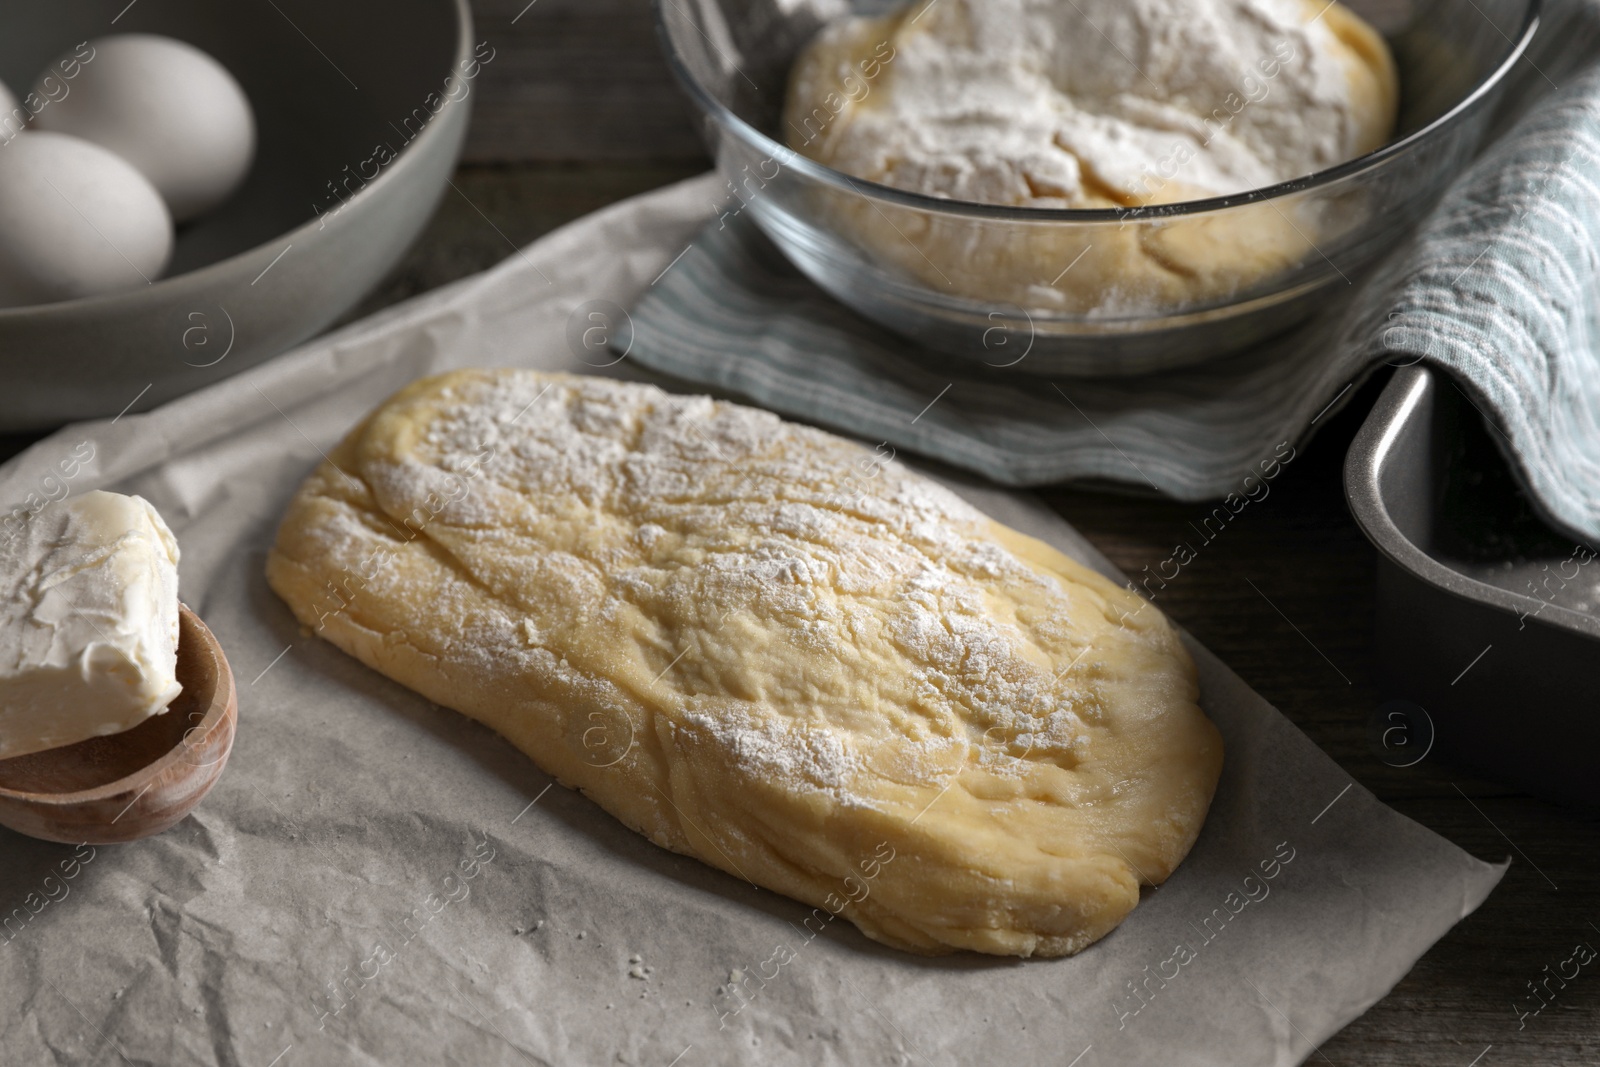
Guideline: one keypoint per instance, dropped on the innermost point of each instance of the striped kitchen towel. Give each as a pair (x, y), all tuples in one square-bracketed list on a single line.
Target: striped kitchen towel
[(1499, 287)]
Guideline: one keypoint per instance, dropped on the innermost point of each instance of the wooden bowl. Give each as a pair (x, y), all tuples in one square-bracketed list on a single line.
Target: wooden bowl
[(137, 783)]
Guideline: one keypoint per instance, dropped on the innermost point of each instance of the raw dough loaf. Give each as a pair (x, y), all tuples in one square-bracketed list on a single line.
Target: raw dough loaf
[(1093, 104), (766, 647)]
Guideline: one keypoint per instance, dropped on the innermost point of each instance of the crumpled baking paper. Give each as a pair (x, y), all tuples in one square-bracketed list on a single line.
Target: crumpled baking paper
[(376, 879)]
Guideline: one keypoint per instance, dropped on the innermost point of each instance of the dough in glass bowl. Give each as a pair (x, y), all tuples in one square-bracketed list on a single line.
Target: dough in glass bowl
[(1092, 104)]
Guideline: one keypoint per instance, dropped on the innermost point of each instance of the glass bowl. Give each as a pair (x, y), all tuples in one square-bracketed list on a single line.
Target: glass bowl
[(944, 272)]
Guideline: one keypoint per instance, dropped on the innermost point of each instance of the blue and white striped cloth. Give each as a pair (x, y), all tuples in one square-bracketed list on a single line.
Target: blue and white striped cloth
[(1499, 287)]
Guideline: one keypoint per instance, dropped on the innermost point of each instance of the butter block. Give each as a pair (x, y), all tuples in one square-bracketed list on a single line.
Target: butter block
[(88, 622)]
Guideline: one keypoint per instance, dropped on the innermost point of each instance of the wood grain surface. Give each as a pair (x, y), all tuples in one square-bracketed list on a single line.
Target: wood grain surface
[(576, 80)]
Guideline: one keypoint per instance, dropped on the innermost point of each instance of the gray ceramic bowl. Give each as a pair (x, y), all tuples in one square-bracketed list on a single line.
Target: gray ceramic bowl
[(330, 83)]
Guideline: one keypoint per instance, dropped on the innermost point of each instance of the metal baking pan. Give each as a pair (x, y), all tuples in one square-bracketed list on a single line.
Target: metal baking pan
[(1486, 617)]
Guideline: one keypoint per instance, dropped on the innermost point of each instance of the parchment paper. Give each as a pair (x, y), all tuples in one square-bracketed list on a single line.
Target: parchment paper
[(378, 880)]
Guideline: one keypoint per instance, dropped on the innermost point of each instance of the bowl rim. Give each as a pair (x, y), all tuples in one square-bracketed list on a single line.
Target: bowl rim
[(222, 707), (1372, 453), (1516, 48), (203, 277)]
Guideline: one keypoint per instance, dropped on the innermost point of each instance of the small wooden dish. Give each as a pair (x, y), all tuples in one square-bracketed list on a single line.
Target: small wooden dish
[(134, 784)]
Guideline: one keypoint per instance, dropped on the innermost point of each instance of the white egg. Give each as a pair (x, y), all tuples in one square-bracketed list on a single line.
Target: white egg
[(167, 108), (75, 220)]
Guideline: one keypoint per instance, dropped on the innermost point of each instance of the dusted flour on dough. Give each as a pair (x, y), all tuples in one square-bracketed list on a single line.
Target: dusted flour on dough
[(1084, 103), (766, 647), (1091, 104)]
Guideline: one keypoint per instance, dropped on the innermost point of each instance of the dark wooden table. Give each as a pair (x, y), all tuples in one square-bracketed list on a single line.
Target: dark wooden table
[(578, 111)]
